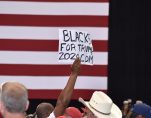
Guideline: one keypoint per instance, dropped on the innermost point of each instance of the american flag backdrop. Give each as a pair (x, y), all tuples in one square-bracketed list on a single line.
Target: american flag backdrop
[(29, 39)]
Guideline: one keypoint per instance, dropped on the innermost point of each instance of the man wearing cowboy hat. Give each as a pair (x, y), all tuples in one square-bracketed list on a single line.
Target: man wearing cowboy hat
[(101, 106)]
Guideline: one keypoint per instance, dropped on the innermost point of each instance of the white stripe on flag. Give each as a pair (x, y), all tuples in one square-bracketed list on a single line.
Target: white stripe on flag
[(48, 58), (54, 8), (57, 82), (47, 33)]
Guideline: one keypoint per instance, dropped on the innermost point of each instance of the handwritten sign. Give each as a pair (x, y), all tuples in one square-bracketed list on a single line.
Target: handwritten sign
[(74, 44)]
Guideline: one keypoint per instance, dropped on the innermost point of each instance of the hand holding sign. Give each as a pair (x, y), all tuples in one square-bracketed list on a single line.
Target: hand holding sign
[(73, 44), (75, 67)]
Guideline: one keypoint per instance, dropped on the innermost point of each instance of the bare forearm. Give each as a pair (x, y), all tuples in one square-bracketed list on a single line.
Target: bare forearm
[(66, 94)]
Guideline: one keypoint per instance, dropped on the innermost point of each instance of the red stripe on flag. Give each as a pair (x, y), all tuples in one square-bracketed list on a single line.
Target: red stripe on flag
[(100, 45), (61, 0), (29, 45), (43, 20), (53, 94), (50, 70), (43, 45)]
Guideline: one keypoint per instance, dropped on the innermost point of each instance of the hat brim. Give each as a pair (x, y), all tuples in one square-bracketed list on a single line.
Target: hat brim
[(115, 111)]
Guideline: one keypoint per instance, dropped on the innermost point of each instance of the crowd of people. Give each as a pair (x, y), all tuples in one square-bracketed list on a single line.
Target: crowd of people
[(14, 103), (135, 110)]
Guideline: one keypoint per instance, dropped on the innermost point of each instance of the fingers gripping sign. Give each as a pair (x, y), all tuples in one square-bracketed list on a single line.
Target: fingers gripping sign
[(75, 68)]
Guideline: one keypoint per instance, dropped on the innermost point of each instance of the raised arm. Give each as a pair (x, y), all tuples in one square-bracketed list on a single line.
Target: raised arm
[(66, 94)]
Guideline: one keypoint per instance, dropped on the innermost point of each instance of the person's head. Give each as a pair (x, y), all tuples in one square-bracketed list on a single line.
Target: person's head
[(129, 101), (141, 110), (139, 101), (72, 112), (43, 110), (14, 98), (125, 105), (101, 106)]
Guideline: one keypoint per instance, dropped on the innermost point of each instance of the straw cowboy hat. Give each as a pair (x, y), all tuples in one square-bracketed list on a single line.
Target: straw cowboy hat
[(102, 106)]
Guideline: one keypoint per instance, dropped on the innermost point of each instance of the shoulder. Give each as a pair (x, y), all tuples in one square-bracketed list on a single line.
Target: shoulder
[(52, 115)]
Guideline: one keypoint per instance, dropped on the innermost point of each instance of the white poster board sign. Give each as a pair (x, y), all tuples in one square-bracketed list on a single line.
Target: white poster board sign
[(74, 44)]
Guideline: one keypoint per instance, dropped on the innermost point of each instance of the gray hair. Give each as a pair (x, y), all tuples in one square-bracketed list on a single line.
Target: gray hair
[(14, 97)]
